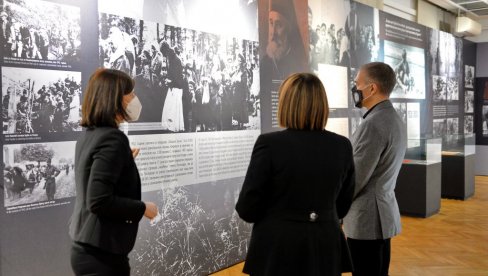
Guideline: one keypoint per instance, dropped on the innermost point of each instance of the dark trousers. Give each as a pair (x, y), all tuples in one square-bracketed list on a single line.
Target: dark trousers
[(87, 260), (370, 257)]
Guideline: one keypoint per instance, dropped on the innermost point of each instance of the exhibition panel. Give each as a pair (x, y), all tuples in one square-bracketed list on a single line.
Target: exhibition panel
[(207, 74)]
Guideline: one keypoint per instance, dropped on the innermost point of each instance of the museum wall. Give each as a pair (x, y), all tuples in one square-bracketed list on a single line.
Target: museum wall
[(207, 74)]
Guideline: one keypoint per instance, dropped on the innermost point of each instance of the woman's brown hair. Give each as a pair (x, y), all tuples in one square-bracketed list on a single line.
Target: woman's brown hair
[(102, 103), (303, 103)]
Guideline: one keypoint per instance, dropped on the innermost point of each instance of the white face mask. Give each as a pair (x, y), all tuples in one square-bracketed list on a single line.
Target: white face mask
[(133, 109)]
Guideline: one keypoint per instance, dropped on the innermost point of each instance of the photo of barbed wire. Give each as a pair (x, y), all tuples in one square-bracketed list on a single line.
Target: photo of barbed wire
[(186, 80), (197, 232), (34, 29), (38, 172), (40, 101)]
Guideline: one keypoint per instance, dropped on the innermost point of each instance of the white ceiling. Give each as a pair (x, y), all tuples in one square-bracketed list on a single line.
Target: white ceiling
[(475, 9)]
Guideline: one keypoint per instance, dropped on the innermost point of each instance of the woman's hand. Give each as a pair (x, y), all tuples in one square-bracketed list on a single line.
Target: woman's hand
[(135, 152), (151, 210)]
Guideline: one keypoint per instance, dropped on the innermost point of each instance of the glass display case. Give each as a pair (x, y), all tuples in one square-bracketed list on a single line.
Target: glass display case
[(427, 151), (459, 144), (418, 189), (458, 157)]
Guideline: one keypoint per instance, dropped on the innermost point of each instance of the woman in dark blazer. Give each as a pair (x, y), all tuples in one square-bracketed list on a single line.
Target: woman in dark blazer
[(299, 183), (108, 205)]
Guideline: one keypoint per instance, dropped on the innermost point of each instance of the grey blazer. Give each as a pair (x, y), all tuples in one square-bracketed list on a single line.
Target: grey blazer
[(379, 146)]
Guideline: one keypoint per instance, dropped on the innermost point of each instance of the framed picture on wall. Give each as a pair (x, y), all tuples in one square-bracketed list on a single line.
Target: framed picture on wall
[(469, 101), (468, 76), (484, 120)]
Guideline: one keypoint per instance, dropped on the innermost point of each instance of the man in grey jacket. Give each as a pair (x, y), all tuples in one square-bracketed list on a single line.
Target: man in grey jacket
[(379, 146)]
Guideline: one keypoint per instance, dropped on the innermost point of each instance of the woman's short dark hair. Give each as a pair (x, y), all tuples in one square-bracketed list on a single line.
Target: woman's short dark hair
[(102, 102), (303, 103)]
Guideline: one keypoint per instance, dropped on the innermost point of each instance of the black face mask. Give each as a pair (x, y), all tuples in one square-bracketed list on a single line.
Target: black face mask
[(357, 97)]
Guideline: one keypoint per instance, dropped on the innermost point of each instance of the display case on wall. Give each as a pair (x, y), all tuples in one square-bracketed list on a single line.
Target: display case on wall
[(458, 157), (418, 188)]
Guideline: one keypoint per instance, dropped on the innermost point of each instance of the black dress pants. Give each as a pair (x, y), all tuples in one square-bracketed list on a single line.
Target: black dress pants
[(370, 257), (88, 260)]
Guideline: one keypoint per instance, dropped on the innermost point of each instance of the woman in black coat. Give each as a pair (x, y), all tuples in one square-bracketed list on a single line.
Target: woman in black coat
[(108, 205), (299, 183)]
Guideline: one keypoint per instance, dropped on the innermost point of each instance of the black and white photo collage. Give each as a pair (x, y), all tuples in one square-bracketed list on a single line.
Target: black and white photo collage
[(444, 58), (469, 80), (41, 100), (186, 80)]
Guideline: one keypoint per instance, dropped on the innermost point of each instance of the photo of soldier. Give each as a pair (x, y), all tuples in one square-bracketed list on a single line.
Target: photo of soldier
[(40, 101), (469, 76), (439, 88), (409, 65)]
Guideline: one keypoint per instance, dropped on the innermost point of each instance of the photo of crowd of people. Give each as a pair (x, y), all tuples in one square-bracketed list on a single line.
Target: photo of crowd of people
[(186, 80), (33, 29), (38, 172), (40, 101), (409, 65), (452, 87), (348, 43)]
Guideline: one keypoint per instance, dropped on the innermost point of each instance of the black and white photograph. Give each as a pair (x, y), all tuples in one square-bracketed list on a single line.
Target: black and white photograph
[(333, 40), (38, 172), (452, 126), (439, 88), (484, 120), (468, 101), (468, 124), (401, 109), (452, 89), (196, 232), (469, 76), (444, 53), (40, 101), (409, 65), (198, 15), (439, 128), (34, 29), (355, 120), (186, 80)]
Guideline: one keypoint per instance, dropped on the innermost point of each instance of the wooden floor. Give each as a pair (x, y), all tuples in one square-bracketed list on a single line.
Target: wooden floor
[(453, 242)]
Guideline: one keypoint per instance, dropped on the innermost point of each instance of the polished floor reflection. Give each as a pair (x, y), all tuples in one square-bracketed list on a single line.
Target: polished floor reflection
[(453, 242)]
